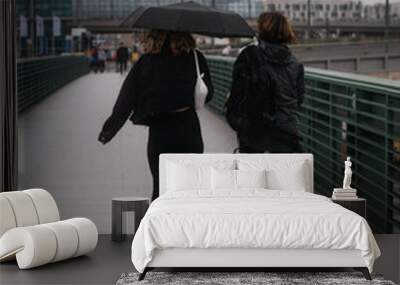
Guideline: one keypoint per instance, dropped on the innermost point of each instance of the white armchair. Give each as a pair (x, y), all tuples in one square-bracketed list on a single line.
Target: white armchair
[(32, 233)]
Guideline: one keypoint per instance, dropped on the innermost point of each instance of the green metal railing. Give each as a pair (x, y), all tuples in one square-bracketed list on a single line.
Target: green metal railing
[(41, 76), (345, 115)]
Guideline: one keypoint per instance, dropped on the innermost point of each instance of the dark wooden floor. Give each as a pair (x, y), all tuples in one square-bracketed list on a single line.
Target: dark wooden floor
[(110, 260), (103, 266)]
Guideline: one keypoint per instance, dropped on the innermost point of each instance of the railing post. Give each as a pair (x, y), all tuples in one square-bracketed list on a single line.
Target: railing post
[(331, 141), (386, 62), (388, 184), (357, 67)]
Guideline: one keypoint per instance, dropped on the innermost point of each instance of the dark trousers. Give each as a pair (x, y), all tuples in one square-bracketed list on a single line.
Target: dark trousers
[(172, 133), (121, 66), (277, 143)]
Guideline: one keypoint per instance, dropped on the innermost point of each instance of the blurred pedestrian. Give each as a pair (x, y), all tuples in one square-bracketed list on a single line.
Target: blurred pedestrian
[(135, 54), (108, 58), (160, 92), (94, 59), (102, 58), (267, 90), (122, 58)]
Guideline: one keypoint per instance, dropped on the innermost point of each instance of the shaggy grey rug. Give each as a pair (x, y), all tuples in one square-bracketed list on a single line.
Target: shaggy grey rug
[(244, 278)]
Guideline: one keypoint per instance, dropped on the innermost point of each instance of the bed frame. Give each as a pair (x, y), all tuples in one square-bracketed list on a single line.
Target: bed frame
[(242, 259), (246, 258)]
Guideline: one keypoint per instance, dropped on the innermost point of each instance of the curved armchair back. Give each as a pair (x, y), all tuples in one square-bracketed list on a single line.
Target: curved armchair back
[(26, 208)]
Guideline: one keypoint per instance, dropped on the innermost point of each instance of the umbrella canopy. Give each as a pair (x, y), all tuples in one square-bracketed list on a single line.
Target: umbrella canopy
[(190, 17)]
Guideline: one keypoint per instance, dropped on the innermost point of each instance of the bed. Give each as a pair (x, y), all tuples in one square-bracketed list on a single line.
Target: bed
[(246, 211)]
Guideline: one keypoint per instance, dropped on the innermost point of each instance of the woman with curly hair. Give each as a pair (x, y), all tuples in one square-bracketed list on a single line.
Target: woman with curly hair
[(159, 92)]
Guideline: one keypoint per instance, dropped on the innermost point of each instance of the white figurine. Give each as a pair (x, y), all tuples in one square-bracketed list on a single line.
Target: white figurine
[(347, 174)]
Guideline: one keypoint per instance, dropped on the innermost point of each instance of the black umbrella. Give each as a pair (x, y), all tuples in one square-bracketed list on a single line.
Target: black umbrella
[(190, 17)]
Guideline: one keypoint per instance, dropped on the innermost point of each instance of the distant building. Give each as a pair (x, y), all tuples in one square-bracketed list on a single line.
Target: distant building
[(377, 12), (44, 10), (103, 9), (247, 9), (321, 10), (395, 12)]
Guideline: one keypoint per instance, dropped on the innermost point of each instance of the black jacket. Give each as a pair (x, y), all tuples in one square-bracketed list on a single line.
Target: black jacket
[(284, 76), (158, 83), (122, 53)]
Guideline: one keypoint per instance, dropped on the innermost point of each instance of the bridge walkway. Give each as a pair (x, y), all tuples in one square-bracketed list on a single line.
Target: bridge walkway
[(59, 150)]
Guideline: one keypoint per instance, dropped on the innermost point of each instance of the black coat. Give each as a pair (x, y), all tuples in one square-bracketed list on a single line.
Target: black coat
[(158, 83), (285, 81), (122, 53)]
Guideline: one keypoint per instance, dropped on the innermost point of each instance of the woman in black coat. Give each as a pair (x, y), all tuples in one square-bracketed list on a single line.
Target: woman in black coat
[(264, 111), (159, 92)]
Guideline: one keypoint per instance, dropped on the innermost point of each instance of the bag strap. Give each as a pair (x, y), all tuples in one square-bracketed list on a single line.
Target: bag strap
[(196, 60)]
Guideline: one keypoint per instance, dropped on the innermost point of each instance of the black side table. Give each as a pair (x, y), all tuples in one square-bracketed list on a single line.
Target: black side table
[(357, 205), (138, 205)]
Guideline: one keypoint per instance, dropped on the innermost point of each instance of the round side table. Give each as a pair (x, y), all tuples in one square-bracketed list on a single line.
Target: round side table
[(138, 205)]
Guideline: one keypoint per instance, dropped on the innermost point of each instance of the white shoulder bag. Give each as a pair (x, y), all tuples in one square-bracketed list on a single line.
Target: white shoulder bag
[(200, 89)]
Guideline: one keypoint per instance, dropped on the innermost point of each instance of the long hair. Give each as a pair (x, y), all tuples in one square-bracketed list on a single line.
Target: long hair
[(157, 41), (275, 28)]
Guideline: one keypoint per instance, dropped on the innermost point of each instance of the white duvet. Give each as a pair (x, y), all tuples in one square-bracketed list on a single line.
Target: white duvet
[(250, 219)]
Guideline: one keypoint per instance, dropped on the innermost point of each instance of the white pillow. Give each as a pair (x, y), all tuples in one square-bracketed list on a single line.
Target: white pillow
[(181, 177), (292, 180), (223, 179), (186, 174), (281, 174), (227, 179), (251, 178)]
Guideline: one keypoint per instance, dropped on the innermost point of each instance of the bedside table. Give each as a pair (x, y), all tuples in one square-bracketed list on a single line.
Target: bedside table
[(138, 205), (357, 205)]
